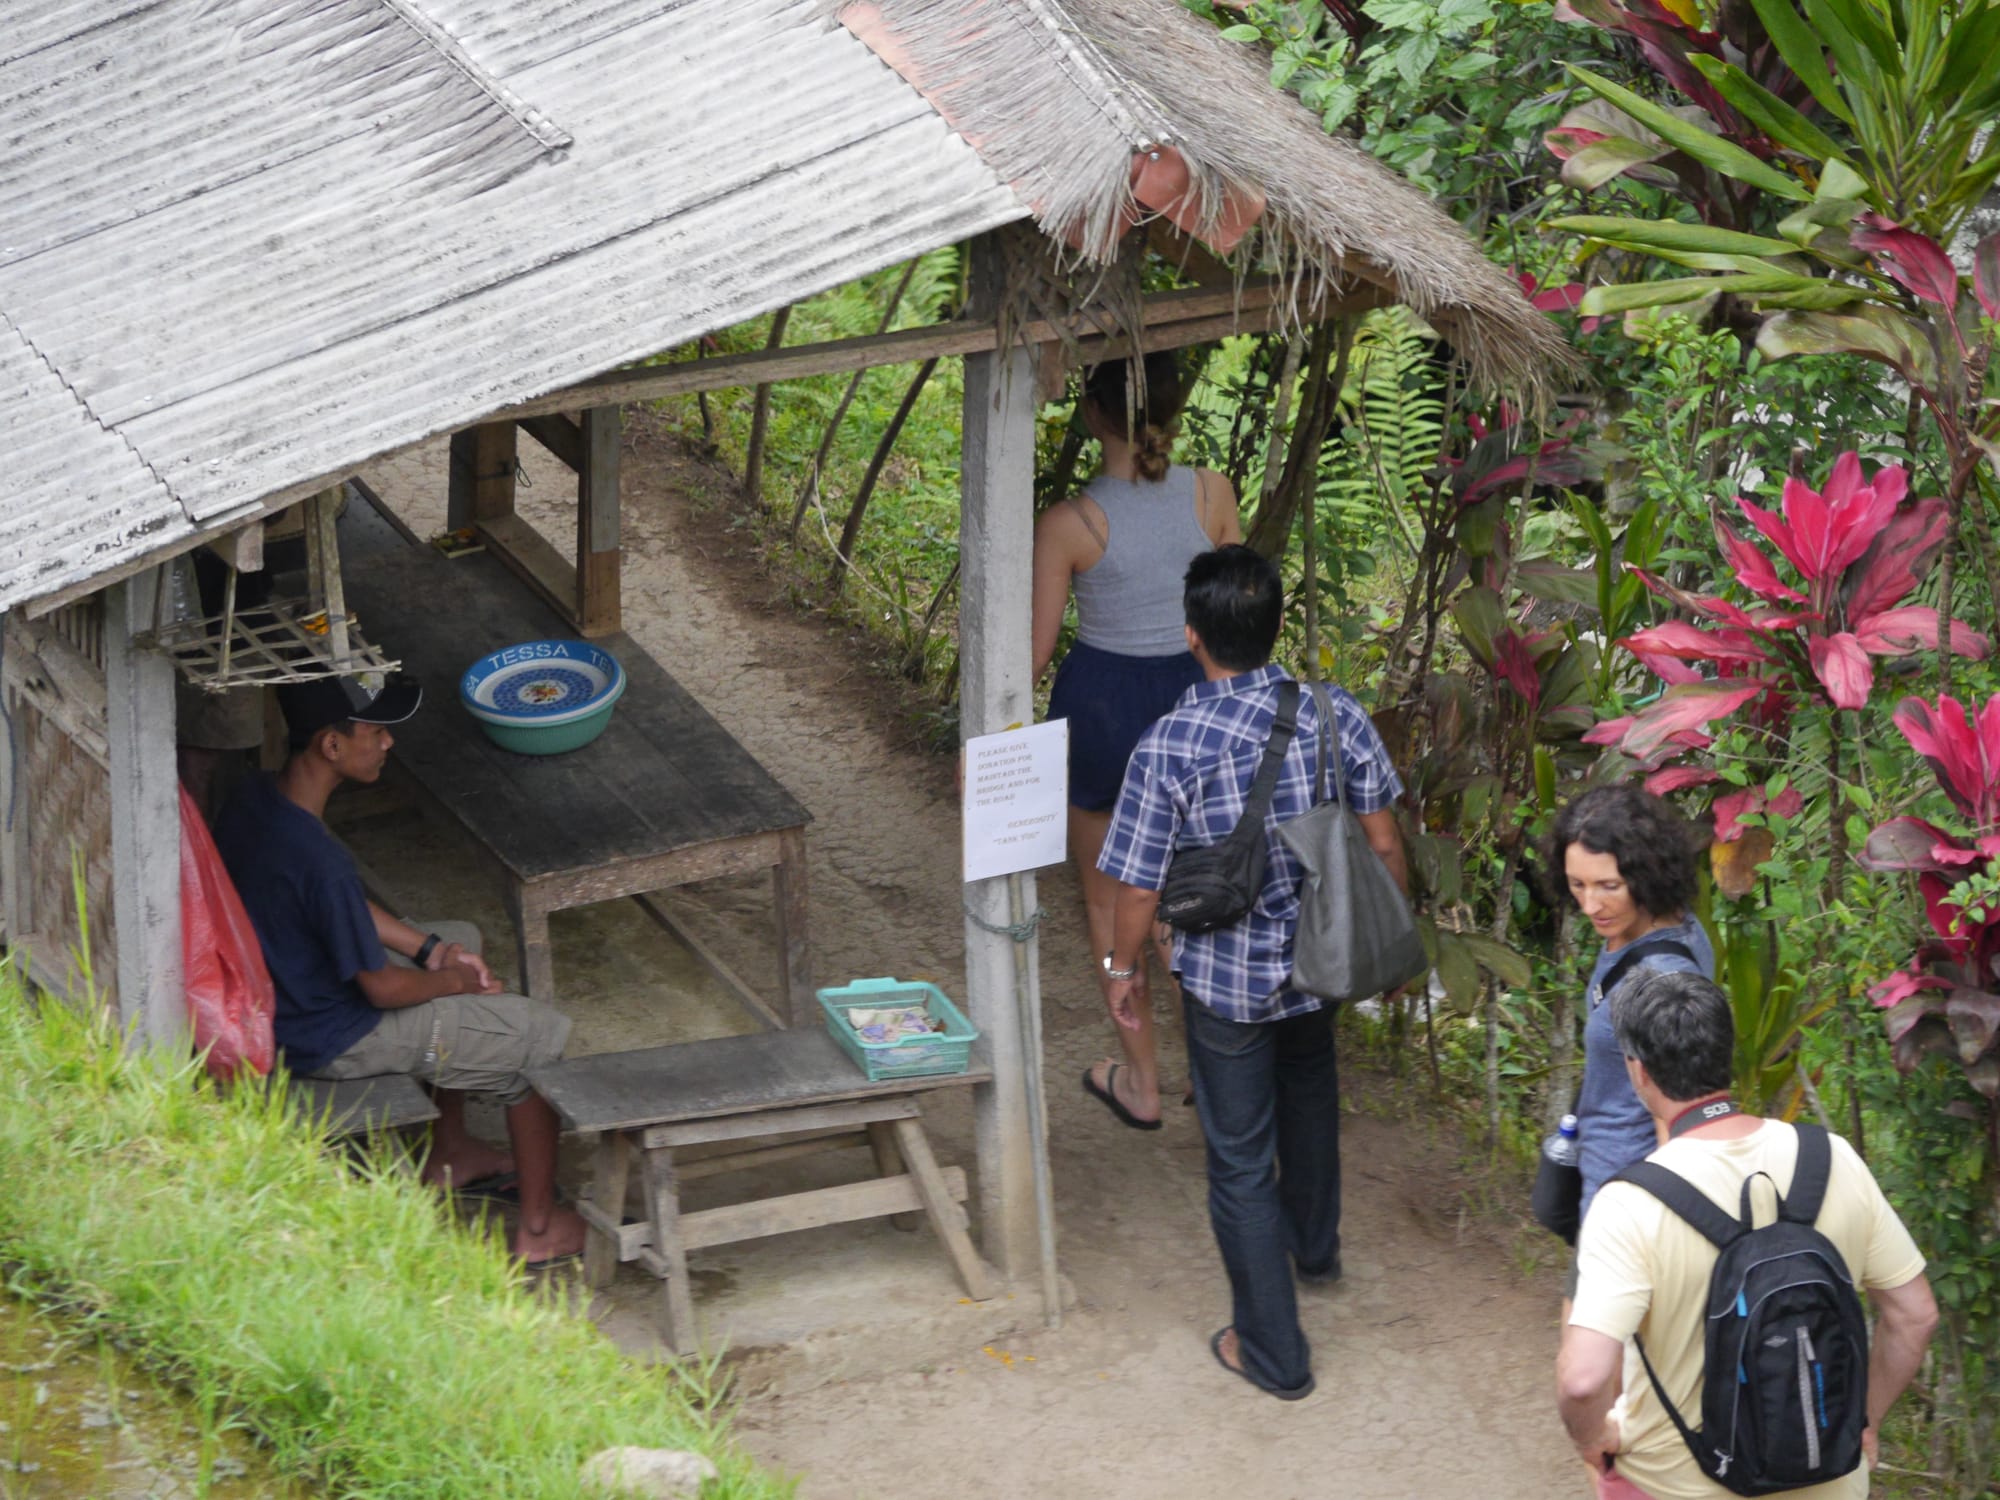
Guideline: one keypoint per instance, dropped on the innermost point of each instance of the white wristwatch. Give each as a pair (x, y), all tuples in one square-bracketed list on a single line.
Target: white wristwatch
[(1114, 972)]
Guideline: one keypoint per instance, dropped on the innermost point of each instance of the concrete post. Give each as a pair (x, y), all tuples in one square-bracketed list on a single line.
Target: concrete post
[(996, 540), (145, 818)]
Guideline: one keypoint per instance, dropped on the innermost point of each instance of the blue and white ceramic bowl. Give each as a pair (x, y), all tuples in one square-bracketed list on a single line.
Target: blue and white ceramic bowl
[(543, 697)]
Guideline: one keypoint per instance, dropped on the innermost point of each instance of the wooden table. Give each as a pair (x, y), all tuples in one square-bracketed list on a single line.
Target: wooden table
[(664, 797), (728, 1092)]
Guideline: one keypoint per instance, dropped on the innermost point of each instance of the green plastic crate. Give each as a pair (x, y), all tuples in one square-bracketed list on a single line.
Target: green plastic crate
[(946, 1051)]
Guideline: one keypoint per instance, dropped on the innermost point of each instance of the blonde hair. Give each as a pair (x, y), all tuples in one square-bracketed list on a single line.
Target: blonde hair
[(1148, 417)]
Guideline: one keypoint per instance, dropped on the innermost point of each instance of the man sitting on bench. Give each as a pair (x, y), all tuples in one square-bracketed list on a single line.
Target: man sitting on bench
[(361, 993)]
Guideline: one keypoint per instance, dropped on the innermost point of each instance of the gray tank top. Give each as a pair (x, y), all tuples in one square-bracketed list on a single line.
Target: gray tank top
[(1129, 601)]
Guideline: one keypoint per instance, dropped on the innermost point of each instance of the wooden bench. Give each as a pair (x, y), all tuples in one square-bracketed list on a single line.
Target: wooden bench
[(358, 1106), (738, 1090), (664, 797)]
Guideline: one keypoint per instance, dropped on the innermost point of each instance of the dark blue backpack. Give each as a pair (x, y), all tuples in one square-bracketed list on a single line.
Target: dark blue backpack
[(1784, 1394)]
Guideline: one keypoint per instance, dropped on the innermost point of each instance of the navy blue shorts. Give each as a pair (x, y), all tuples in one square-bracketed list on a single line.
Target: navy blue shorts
[(1110, 700)]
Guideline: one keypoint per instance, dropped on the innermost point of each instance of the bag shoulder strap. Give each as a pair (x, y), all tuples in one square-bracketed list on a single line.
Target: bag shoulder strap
[(1283, 725), (1685, 1199), (1691, 1438), (1329, 749), (1801, 1204), (1637, 954)]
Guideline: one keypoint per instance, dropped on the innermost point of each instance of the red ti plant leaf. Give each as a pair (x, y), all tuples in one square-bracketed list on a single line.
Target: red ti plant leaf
[(1897, 560), (1753, 569), (1565, 140), (1668, 669), (1898, 632), (1986, 274), (1678, 778), (1823, 534), (1909, 843), (1962, 752), (1927, 1035), (1682, 708), (1913, 259), (1514, 663), (1701, 604), (1563, 297), (1974, 1018), (1730, 809), (1843, 668), (1902, 984), (1906, 1014), (1678, 638)]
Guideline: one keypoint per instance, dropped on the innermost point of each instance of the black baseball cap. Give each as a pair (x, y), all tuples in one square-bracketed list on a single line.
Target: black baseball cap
[(367, 698)]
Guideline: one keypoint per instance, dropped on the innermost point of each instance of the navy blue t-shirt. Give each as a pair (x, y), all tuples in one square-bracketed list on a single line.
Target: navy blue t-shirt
[(305, 899)]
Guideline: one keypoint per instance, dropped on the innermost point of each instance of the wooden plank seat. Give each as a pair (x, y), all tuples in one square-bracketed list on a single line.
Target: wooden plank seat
[(357, 1106), (664, 797), (728, 1099)]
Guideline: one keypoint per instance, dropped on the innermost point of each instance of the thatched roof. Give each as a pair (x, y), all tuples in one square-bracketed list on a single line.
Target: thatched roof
[(1061, 96)]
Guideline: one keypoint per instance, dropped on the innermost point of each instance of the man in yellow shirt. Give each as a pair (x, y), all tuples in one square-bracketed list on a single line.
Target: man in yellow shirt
[(1644, 1270)]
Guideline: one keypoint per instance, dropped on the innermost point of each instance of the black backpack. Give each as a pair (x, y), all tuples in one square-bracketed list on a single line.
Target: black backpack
[(1784, 1392)]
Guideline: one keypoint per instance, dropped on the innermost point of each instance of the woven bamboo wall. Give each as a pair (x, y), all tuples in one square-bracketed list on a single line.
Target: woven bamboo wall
[(61, 800)]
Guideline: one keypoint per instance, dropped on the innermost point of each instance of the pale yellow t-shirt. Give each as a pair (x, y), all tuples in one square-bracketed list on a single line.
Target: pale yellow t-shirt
[(1642, 1268)]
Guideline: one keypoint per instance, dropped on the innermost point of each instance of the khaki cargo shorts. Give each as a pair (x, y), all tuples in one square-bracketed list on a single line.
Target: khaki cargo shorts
[(483, 1044)]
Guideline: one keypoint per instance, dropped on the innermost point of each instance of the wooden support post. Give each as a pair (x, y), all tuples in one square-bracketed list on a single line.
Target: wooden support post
[(597, 544), (323, 582), (788, 893), (481, 486), (145, 818), (663, 1214), (607, 1192), (996, 542), (889, 1163), (531, 936)]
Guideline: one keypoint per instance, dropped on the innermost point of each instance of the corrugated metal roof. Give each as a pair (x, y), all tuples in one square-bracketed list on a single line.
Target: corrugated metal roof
[(95, 495), (247, 243)]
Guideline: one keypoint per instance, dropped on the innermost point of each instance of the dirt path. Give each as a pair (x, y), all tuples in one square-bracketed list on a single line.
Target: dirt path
[(1433, 1356)]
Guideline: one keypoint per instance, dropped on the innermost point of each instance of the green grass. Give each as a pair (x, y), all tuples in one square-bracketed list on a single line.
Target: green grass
[(376, 1347)]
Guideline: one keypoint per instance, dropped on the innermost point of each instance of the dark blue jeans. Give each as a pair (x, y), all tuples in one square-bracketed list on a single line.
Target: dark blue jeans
[(1269, 1097)]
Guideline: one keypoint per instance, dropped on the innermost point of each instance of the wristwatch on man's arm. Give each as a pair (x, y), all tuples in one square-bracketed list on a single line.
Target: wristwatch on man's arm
[(1112, 971), (422, 957)]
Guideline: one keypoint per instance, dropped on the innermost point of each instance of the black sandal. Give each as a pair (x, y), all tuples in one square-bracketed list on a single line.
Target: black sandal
[(1297, 1393), (1109, 1096)]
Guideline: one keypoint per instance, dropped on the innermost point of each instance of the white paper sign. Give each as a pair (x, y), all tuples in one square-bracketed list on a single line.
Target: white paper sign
[(1017, 800)]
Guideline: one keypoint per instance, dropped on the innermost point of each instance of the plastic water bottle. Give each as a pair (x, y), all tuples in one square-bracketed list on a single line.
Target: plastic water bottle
[(1561, 1146)]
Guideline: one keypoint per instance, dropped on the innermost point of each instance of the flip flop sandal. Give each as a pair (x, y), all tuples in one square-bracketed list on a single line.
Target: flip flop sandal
[(1298, 1393), (494, 1187), (1109, 1097), (549, 1262)]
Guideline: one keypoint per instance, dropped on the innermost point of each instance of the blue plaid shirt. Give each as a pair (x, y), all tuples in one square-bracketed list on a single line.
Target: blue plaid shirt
[(1185, 786)]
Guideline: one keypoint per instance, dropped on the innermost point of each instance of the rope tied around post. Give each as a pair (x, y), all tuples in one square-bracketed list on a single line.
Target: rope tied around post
[(1019, 931)]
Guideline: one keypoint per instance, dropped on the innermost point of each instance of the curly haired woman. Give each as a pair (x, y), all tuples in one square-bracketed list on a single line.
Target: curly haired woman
[(1625, 860)]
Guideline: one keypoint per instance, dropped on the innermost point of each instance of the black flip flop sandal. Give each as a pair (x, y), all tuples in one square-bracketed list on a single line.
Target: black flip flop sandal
[(1109, 1097), (1298, 1393)]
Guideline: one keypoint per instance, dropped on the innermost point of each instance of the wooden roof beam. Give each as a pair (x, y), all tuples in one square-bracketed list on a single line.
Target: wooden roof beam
[(1173, 320)]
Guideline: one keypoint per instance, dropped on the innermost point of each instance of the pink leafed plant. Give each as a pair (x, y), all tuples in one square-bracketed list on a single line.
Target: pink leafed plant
[(1944, 999), (1828, 589)]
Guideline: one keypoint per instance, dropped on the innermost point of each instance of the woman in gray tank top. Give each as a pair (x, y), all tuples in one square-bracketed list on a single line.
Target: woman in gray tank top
[(1122, 545)]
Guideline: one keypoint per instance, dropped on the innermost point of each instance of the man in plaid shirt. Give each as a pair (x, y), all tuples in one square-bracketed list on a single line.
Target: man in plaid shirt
[(1261, 1054)]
